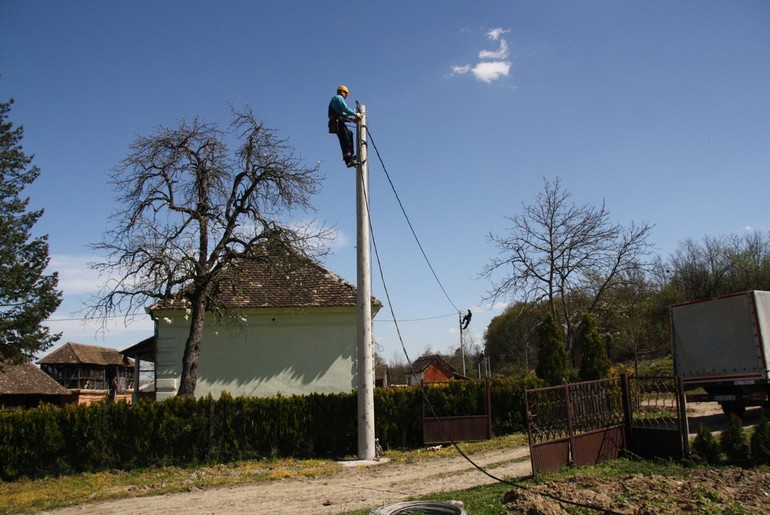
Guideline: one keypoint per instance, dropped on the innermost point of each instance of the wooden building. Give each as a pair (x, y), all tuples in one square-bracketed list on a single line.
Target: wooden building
[(90, 373)]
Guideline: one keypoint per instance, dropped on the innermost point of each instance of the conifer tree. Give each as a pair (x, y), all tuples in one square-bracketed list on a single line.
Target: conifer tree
[(734, 441), (551, 356), (705, 447), (28, 295), (594, 362), (759, 442)]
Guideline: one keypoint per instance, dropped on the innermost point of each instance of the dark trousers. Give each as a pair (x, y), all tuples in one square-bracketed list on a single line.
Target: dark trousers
[(345, 136)]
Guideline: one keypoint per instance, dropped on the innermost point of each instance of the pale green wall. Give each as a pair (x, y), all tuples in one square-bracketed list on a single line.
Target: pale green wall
[(269, 351)]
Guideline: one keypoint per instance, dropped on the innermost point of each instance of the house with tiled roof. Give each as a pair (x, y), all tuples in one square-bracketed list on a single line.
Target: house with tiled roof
[(26, 386), (89, 372), (432, 369), (291, 328)]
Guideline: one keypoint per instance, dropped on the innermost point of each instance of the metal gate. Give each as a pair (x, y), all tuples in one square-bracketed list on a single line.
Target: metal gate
[(587, 423), (657, 414), (443, 429)]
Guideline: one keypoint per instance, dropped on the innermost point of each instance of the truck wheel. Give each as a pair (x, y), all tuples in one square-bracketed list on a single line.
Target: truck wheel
[(733, 408)]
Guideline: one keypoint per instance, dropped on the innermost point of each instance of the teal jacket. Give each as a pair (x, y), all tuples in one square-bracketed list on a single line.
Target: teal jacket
[(340, 107)]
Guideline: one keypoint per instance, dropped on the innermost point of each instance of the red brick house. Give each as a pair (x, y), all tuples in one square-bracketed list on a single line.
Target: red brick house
[(431, 369)]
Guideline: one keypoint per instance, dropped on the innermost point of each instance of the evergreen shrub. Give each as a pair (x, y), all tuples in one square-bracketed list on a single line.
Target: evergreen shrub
[(705, 446), (734, 442), (760, 442), (180, 431)]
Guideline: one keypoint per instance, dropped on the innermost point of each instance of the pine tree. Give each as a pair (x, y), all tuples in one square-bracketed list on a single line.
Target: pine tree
[(705, 447), (28, 295), (734, 442), (760, 442), (551, 356), (594, 362)]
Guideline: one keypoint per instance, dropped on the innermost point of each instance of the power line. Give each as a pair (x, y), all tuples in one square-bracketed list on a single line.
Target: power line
[(419, 319), (409, 361), (409, 222)]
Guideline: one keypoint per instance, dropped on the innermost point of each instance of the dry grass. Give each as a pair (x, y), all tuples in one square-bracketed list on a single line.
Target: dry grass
[(41, 494), (27, 495)]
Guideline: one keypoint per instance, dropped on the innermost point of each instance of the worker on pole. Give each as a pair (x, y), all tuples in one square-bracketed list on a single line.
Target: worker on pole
[(339, 114)]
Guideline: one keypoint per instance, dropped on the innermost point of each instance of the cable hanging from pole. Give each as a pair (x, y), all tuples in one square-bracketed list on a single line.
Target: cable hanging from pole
[(425, 395), (409, 222), (464, 321)]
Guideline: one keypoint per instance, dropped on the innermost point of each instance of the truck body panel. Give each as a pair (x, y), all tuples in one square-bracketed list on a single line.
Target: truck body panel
[(721, 344)]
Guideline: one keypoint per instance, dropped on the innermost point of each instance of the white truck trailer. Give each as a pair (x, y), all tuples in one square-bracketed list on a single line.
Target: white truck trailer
[(720, 345)]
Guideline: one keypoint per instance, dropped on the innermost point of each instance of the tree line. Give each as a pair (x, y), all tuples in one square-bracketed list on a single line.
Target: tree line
[(569, 269)]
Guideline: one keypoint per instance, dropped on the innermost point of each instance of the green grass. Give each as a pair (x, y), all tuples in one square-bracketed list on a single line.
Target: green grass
[(478, 501), (33, 495), (661, 367), (487, 500)]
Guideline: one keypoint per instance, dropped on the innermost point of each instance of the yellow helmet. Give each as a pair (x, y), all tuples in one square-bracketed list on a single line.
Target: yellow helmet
[(342, 88)]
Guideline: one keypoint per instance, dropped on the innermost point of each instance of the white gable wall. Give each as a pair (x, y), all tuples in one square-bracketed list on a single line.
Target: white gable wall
[(266, 352)]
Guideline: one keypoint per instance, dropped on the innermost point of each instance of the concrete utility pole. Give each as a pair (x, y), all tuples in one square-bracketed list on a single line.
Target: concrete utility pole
[(462, 343), (366, 444)]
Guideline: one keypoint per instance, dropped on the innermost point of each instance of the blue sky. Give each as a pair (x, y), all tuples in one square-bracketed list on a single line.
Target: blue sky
[(660, 109)]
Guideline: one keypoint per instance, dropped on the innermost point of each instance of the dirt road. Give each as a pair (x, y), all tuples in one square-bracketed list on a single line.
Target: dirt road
[(354, 488)]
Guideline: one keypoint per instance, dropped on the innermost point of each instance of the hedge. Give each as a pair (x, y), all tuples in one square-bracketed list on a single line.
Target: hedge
[(52, 440)]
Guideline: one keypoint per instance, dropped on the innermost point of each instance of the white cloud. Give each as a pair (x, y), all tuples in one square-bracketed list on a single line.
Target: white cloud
[(492, 64), (461, 69), (494, 34), (491, 71), (500, 53)]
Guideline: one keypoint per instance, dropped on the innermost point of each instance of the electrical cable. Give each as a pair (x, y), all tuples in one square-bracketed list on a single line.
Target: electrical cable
[(420, 319), (409, 222), (409, 361)]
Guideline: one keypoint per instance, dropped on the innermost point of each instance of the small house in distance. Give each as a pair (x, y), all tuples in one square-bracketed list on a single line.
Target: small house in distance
[(381, 376), (26, 386), (91, 373), (431, 369)]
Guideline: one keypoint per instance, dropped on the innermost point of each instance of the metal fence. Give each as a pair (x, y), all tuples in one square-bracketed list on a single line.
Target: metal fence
[(443, 428), (589, 422)]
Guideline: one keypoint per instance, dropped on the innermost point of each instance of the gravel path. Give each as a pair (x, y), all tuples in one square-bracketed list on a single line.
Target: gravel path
[(354, 488)]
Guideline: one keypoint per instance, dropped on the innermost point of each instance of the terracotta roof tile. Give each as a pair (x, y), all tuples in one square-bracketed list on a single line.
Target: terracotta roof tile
[(287, 280), (421, 363), (72, 353), (27, 379)]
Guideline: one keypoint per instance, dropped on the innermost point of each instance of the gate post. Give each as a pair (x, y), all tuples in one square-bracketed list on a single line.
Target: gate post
[(570, 420), (684, 423), (628, 413)]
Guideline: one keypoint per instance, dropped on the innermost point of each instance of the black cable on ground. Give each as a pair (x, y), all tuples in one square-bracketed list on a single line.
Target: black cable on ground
[(409, 361)]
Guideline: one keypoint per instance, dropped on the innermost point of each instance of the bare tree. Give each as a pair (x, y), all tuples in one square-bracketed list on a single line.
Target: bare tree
[(718, 265), (565, 255), (191, 204)]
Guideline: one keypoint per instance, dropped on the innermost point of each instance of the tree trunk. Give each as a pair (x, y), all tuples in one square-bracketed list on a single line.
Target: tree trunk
[(192, 349)]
